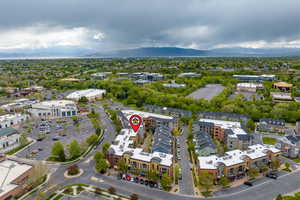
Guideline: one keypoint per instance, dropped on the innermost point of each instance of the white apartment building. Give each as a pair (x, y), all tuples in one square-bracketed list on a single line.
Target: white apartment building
[(54, 108), (90, 94), (9, 139), (9, 120)]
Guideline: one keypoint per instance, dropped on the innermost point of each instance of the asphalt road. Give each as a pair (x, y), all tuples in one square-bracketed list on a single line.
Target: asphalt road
[(186, 184)]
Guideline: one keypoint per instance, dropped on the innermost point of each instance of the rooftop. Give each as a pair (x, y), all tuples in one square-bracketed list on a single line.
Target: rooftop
[(10, 116), (7, 131), (283, 84), (122, 144), (235, 156), (54, 103), (89, 93), (128, 113), (250, 85), (12, 170)]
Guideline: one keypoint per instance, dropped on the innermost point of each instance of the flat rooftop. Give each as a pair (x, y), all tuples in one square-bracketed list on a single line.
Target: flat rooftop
[(128, 113)]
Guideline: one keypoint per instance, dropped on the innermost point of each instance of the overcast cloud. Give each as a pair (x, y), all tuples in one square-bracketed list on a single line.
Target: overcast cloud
[(114, 24)]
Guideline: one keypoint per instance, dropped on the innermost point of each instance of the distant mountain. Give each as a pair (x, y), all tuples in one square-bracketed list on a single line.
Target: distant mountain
[(152, 52), (182, 52)]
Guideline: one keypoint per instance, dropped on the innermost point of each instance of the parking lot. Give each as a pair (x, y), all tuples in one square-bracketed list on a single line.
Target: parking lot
[(62, 130), (207, 92)]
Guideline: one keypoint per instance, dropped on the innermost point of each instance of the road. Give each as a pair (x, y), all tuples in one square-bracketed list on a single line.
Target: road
[(186, 184)]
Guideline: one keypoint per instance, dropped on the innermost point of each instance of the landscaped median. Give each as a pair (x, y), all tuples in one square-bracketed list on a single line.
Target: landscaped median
[(75, 190), (59, 150)]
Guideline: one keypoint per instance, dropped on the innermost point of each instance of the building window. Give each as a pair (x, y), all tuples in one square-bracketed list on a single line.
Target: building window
[(73, 112), (63, 114)]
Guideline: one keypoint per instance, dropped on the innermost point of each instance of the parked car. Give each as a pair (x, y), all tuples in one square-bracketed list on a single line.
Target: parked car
[(272, 175), (249, 183), (55, 139)]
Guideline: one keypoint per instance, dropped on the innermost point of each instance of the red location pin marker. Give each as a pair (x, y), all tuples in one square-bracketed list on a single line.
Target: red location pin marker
[(135, 122)]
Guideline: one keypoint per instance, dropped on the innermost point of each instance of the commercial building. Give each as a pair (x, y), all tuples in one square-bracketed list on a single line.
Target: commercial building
[(255, 78), (141, 82), (138, 160), (18, 104), (281, 97), (71, 79), (9, 139), (90, 94), (188, 74), (283, 86), (54, 108), (271, 125), (174, 112), (223, 116), (13, 178), (248, 87), (147, 76), (100, 75), (174, 85), (234, 164), (231, 133), (11, 120)]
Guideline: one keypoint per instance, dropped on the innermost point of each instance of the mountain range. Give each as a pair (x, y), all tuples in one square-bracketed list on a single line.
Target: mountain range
[(154, 52)]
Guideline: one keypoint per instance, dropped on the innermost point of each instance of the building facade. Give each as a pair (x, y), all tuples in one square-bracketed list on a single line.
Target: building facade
[(54, 109), (235, 164), (11, 120), (9, 139), (90, 94)]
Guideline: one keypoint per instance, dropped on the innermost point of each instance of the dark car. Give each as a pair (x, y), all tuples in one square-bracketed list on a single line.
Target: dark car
[(55, 139), (136, 179), (249, 183), (272, 175), (119, 176), (40, 139), (141, 181), (146, 182)]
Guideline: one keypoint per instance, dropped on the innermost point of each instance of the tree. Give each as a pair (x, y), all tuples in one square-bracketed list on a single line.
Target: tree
[(98, 131), (83, 100), (98, 156), (287, 165), (58, 151), (279, 197), (23, 140), (251, 125), (105, 148), (92, 139), (224, 181), (40, 196), (206, 180), (101, 166), (134, 197), (263, 169), (275, 164), (73, 170), (37, 175), (166, 182), (253, 172), (152, 175), (74, 149), (122, 165)]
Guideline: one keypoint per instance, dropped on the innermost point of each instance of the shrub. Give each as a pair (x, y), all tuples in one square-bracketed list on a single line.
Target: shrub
[(73, 170)]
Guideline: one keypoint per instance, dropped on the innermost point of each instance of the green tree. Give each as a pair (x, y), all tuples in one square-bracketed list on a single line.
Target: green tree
[(206, 180), (98, 131), (105, 148), (92, 139), (275, 164), (101, 166), (37, 175), (98, 156), (166, 182), (23, 140), (58, 151), (251, 125), (253, 172), (122, 166), (83, 100), (74, 149), (224, 181), (279, 197)]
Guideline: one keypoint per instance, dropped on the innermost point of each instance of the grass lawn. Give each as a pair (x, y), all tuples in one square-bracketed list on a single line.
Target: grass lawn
[(269, 140), (15, 150)]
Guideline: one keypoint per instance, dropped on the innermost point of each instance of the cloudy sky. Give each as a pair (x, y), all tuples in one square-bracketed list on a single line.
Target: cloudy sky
[(118, 24)]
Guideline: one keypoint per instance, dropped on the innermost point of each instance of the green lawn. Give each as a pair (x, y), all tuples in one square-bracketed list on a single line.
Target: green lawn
[(269, 140)]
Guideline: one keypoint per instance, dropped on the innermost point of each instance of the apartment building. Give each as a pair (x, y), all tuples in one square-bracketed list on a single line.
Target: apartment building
[(13, 178), (229, 132), (150, 120), (234, 164), (123, 147), (54, 109), (11, 120), (271, 125), (255, 78)]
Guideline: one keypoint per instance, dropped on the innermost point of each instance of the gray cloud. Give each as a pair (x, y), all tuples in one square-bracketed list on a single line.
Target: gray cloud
[(193, 23)]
